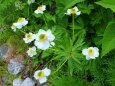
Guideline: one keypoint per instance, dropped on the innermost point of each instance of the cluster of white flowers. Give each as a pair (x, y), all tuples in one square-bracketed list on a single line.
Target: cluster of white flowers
[(43, 40), (73, 10), (19, 24), (91, 52), (41, 75)]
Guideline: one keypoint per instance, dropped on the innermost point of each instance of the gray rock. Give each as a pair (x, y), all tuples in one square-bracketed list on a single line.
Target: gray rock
[(3, 50), (17, 82), (5, 79), (14, 67), (28, 82)]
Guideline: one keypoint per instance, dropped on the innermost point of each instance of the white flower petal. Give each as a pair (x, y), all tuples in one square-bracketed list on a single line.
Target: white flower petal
[(51, 37), (36, 74), (42, 45), (43, 7), (96, 48), (68, 12), (42, 80), (52, 44), (75, 8), (18, 25), (78, 13), (88, 58), (84, 51), (47, 71)]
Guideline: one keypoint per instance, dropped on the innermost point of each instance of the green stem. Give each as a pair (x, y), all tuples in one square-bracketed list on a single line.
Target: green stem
[(73, 27), (30, 30), (45, 21), (61, 65), (22, 31)]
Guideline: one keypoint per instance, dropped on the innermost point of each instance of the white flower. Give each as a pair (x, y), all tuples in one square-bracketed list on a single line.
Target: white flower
[(30, 1), (44, 39), (22, 21), (40, 9), (73, 10), (13, 27), (29, 37), (91, 52), (42, 74), (19, 24), (32, 51)]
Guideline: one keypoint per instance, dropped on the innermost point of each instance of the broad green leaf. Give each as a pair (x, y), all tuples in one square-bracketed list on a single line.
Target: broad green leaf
[(109, 38), (107, 4), (70, 3)]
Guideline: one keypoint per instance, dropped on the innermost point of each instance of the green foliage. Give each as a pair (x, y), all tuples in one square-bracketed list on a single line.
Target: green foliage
[(93, 27), (107, 4), (109, 38)]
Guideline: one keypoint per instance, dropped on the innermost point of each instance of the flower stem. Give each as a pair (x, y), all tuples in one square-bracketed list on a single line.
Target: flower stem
[(45, 21), (73, 27), (61, 65), (22, 31)]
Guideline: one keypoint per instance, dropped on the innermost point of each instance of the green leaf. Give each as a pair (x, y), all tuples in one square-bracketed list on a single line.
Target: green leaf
[(109, 38), (107, 4), (70, 3), (37, 15)]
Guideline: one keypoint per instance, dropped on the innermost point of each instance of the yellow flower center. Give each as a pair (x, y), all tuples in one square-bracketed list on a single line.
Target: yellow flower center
[(90, 51), (39, 8), (42, 37), (41, 74), (20, 19), (73, 11), (31, 51), (29, 36)]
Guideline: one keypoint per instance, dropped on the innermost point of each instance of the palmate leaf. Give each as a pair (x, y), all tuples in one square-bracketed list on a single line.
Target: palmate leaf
[(109, 38), (107, 4)]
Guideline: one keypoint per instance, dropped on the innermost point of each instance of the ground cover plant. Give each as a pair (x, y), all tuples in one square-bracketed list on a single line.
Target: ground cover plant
[(57, 42)]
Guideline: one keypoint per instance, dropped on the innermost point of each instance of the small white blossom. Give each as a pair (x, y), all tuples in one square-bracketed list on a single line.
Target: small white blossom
[(19, 24), (44, 39), (40, 9), (73, 10), (41, 75), (32, 51), (29, 37), (91, 52), (22, 21)]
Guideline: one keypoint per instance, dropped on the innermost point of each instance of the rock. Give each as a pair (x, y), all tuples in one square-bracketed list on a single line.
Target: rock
[(14, 67), (3, 50), (17, 82), (5, 80), (28, 82)]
